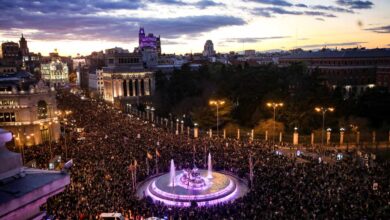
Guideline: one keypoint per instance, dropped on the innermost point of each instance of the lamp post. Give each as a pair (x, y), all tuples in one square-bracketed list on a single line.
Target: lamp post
[(323, 110), (274, 105), (217, 103), (147, 112), (152, 110)]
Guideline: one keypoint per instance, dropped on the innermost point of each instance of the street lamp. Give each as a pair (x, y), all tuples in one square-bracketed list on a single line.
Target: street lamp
[(274, 105), (323, 110), (217, 103)]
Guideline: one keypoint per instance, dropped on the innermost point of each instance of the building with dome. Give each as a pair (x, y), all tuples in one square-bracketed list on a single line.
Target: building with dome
[(55, 72), (27, 109), (208, 50)]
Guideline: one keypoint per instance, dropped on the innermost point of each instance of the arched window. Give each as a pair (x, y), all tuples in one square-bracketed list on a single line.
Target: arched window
[(42, 109)]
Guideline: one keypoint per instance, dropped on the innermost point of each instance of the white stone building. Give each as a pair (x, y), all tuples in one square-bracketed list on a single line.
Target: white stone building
[(55, 73)]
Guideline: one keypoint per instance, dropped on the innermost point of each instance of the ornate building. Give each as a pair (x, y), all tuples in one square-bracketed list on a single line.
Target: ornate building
[(27, 109), (124, 77), (55, 72), (208, 50), (149, 41)]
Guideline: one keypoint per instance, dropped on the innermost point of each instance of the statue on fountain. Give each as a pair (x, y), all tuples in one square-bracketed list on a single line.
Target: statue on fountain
[(192, 178)]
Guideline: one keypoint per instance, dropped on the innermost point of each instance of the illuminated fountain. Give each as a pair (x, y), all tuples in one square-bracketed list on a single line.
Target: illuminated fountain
[(181, 187)]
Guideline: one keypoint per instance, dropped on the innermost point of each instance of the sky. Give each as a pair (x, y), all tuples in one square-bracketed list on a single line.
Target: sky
[(82, 26)]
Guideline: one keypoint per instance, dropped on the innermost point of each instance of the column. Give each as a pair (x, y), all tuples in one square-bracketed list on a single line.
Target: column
[(146, 86), (266, 135), (139, 88), (295, 138), (280, 137), (224, 133), (133, 85), (211, 133), (128, 87), (120, 86), (341, 138), (328, 137), (196, 132), (238, 134), (114, 89), (373, 137), (151, 85), (252, 134)]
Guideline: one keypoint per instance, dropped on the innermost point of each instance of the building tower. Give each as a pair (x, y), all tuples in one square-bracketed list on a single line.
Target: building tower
[(208, 50), (141, 36), (23, 47)]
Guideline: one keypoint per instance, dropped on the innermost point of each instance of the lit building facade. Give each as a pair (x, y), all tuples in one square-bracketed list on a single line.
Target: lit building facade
[(96, 83), (149, 41), (27, 109), (126, 78), (55, 72)]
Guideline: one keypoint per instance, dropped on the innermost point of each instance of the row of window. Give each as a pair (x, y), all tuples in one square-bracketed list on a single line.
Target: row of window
[(7, 117), (7, 102), (128, 60)]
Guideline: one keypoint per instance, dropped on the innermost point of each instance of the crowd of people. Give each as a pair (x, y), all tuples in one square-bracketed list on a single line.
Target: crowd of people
[(282, 187)]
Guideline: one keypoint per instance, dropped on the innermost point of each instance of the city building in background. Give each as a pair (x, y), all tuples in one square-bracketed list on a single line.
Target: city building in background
[(148, 41), (125, 77), (250, 53), (354, 69), (27, 109), (55, 72), (96, 84), (208, 50), (10, 54)]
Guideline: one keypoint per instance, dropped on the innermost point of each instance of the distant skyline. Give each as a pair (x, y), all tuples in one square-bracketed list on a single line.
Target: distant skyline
[(84, 26)]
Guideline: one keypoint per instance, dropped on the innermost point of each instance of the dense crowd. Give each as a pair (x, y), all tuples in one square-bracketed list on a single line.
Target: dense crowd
[(282, 188)]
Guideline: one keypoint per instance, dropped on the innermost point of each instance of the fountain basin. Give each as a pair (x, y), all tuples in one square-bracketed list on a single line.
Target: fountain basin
[(221, 188)]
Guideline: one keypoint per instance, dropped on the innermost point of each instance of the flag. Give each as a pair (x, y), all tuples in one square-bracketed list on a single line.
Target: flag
[(158, 153), (149, 156)]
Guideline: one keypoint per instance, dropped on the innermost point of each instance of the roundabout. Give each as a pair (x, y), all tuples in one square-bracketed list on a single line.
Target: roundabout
[(184, 187)]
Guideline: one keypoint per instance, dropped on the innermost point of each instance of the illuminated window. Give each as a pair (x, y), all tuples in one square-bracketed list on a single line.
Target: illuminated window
[(42, 109)]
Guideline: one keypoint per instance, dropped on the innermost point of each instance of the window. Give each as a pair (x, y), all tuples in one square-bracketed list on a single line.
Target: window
[(7, 117), (42, 109)]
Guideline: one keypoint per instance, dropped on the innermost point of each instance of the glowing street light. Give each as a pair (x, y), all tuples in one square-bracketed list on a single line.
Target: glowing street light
[(274, 105), (217, 103), (323, 110)]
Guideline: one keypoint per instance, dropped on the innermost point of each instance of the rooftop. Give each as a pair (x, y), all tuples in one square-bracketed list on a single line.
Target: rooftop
[(374, 53)]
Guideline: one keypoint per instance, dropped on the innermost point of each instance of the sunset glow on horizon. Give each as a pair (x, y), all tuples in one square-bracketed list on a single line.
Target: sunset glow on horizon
[(83, 26)]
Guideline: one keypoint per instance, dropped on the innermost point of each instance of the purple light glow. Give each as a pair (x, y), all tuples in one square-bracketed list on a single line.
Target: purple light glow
[(221, 189)]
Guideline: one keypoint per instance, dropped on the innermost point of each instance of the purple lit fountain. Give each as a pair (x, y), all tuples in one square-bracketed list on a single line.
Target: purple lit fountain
[(205, 187)]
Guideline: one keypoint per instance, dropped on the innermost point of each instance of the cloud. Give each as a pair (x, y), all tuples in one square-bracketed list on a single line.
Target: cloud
[(207, 3), (332, 8), (380, 29), (301, 5), (253, 39), (271, 11), (113, 28), (314, 46), (170, 42), (69, 21), (272, 2), (356, 4), (202, 4), (69, 6)]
